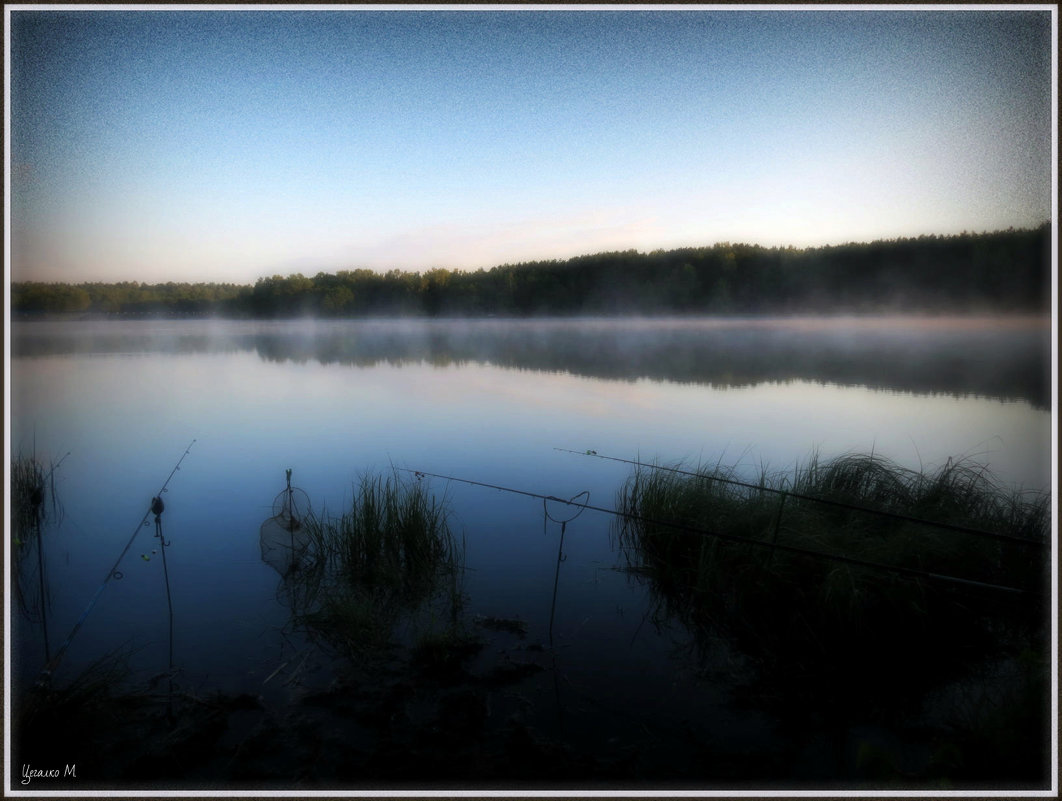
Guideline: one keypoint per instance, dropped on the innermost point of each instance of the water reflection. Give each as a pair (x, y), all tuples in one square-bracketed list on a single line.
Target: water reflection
[(1001, 358)]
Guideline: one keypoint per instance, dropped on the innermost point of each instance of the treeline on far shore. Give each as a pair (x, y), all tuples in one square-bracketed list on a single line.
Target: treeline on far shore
[(1002, 271)]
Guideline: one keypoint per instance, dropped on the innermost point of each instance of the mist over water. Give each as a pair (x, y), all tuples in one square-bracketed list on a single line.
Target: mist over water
[(1004, 358)]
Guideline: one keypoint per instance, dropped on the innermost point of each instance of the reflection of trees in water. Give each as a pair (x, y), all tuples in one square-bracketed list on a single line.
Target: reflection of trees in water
[(1004, 362), (1005, 365)]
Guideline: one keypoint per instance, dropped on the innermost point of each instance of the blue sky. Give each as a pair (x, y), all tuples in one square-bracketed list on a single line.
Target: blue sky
[(229, 145)]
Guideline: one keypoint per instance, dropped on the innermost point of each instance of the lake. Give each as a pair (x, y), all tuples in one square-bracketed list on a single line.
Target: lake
[(495, 401)]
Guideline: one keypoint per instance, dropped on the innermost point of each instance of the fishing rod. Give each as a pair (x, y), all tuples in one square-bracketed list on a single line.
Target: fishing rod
[(157, 508), (828, 501), (570, 501), (904, 571), (50, 668), (546, 515)]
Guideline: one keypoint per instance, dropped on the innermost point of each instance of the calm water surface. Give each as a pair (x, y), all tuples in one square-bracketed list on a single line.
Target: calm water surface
[(489, 401)]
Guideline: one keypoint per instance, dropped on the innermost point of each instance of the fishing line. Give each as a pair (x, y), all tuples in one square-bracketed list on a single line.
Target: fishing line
[(827, 501), (903, 571), (49, 669)]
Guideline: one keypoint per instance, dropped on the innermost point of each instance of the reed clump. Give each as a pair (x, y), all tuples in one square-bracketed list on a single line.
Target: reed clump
[(33, 502), (388, 555), (33, 498), (717, 556)]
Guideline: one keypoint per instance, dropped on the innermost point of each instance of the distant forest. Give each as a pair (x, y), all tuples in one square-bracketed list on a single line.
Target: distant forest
[(1004, 271)]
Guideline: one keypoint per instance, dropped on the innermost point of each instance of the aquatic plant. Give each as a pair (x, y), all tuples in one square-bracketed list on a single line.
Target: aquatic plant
[(357, 620), (33, 498), (390, 554), (828, 582), (33, 501)]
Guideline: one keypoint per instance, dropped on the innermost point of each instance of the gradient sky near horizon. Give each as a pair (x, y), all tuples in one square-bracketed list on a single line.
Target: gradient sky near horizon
[(213, 145)]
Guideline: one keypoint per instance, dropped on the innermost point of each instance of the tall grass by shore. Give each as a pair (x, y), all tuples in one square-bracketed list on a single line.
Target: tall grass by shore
[(388, 555), (812, 625), (33, 496), (33, 501)]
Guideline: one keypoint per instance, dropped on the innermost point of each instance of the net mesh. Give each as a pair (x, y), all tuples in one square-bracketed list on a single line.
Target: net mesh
[(283, 538)]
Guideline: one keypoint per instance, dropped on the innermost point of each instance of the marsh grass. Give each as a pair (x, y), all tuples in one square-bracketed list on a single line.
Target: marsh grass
[(33, 502), (33, 498), (390, 556), (819, 628)]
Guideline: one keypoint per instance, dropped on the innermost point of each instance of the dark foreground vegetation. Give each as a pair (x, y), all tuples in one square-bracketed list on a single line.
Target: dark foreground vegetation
[(917, 652), (1001, 271), (845, 615)]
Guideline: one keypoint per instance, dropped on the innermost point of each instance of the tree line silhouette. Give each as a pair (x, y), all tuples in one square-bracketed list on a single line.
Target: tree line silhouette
[(998, 271)]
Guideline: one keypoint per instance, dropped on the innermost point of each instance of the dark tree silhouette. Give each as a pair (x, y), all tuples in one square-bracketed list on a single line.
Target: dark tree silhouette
[(1003, 271)]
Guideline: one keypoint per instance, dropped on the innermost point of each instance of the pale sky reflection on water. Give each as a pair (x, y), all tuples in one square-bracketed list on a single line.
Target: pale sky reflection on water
[(389, 412)]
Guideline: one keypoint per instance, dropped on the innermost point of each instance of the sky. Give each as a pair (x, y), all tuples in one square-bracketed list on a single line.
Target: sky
[(228, 145)]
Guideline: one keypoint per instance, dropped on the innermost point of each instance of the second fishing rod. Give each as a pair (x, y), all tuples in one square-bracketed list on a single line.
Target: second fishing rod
[(907, 572), (115, 573), (812, 498)]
